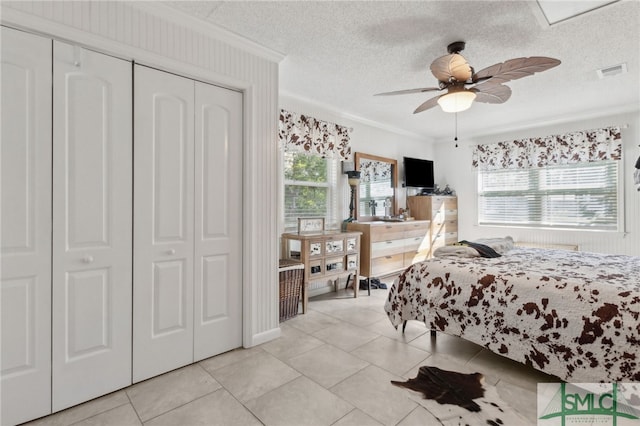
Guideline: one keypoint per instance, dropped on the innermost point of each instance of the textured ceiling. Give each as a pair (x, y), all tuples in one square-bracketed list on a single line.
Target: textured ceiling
[(339, 54)]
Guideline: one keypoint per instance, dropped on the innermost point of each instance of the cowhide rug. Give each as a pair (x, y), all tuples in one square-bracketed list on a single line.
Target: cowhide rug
[(461, 399)]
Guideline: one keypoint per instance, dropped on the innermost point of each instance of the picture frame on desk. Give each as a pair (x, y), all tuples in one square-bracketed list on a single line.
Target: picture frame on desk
[(310, 225)]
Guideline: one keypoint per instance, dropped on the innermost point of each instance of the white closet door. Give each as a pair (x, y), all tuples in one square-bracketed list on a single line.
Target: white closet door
[(92, 235), (218, 213), (163, 223), (25, 190)]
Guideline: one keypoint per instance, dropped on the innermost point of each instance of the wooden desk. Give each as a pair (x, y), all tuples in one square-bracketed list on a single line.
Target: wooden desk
[(329, 254)]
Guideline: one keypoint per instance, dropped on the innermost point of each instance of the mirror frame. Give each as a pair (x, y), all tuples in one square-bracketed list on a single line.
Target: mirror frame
[(394, 183)]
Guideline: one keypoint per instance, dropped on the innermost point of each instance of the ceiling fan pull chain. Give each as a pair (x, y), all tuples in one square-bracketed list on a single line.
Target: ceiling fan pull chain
[(456, 129)]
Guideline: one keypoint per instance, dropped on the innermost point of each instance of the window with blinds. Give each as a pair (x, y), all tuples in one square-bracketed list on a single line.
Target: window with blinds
[(574, 196), (310, 183)]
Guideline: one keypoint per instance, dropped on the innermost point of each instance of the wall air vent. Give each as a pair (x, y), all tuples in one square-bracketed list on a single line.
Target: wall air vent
[(611, 71)]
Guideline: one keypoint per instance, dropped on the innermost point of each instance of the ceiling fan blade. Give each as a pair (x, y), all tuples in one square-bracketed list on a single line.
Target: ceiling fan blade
[(514, 69), (408, 91), (478, 80), (428, 104), (491, 93)]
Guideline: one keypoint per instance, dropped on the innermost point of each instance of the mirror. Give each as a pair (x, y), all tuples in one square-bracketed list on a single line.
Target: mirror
[(377, 187)]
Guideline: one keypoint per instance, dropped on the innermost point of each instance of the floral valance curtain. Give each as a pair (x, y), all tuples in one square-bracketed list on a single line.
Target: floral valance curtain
[(577, 147), (302, 133), (374, 171)]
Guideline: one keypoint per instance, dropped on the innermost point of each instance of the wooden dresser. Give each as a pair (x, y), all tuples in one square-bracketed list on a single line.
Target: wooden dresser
[(390, 247), (326, 255), (442, 211)]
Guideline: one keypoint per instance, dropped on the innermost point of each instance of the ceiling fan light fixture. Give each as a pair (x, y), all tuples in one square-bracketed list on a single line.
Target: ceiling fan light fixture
[(456, 101)]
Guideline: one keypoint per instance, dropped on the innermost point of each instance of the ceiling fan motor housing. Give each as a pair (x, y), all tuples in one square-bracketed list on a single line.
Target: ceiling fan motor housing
[(456, 47)]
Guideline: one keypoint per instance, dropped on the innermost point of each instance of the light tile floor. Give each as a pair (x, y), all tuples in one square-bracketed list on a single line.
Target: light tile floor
[(332, 366)]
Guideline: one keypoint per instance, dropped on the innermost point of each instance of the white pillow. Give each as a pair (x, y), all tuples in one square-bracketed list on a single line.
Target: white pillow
[(456, 251), (501, 245)]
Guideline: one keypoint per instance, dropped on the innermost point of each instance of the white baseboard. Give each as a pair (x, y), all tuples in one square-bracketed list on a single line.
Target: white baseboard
[(264, 337)]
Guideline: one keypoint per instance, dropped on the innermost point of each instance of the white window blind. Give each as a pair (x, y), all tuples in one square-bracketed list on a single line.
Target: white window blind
[(580, 196), (310, 183)]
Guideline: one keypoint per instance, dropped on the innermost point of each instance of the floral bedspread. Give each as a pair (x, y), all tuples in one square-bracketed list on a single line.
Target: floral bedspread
[(575, 315)]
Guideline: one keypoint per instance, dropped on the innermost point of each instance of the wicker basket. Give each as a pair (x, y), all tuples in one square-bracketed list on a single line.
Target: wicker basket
[(291, 278)]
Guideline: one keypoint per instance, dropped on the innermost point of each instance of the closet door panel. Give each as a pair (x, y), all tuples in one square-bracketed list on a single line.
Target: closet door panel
[(92, 236), (218, 204), (86, 158), (163, 223), (25, 240)]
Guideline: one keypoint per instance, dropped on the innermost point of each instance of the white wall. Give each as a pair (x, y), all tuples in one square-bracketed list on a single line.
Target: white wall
[(367, 137), (453, 166), (154, 35)]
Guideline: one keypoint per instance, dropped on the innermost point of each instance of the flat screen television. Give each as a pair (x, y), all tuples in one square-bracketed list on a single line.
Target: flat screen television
[(418, 173)]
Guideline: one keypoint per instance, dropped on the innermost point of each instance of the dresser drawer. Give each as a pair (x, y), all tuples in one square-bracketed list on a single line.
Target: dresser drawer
[(316, 268), (416, 229), (444, 238), (451, 226), (451, 203), (414, 257), (387, 264), (387, 248), (444, 214), (334, 246), (334, 265), (316, 248), (416, 243), (437, 203), (444, 203), (352, 244), (386, 232), (444, 226), (352, 262)]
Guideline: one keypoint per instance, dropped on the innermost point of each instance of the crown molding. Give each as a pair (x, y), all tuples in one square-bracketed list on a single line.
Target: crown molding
[(355, 118)]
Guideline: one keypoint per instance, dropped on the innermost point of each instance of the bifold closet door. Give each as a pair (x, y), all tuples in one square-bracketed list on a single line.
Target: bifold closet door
[(163, 222), (92, 224), (218, 224), (25, 190)]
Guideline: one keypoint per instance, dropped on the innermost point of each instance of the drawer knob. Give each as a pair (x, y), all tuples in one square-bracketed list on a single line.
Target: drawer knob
[(87, 259), (171, 252)]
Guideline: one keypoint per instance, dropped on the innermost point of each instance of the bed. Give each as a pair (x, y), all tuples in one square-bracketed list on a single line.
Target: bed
[(575, 315)]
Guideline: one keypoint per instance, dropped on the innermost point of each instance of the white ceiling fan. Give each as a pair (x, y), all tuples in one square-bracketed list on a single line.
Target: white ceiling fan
[(464, 86)]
